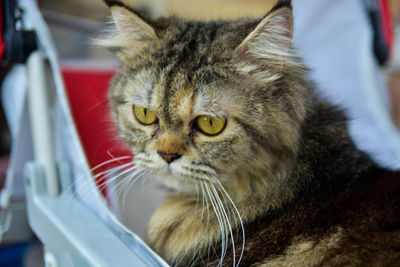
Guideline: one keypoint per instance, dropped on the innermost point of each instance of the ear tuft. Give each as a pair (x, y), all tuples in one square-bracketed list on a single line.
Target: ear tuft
[(130, 24), (269, 43), (128, 33)]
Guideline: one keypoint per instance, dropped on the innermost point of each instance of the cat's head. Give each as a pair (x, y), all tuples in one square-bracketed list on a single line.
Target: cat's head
[(211, 101)]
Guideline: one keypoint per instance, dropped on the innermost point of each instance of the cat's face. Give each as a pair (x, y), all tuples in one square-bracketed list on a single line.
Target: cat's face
[(209, 101)]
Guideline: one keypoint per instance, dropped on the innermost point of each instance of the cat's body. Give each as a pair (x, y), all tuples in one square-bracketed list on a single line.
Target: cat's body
[(345, 213), (224, 115)]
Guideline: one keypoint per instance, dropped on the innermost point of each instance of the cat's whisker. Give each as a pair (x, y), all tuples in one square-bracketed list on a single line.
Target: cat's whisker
[(131, 181), (200, 169), (90, 178), (116, 189), (110, 180), (110, 173), (226, 240), (108, 162), (193, 173), (113, 178), (207, 204), (196, 188), (122, 189), (133, 169), (148, 165), (240, 219), (102, 184), (216, 211), (128, 182), (227, 219), (195, 177), (202, 200), (231, 212), (125, 191), (216, 214), (142, 156), (88, 189), (142, 185)]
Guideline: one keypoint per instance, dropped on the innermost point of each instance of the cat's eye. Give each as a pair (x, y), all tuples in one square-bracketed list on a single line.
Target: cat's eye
[(144, 115), (210, 125)]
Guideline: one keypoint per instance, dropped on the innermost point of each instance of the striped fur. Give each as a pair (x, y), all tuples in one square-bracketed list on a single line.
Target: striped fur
[(282, 184)]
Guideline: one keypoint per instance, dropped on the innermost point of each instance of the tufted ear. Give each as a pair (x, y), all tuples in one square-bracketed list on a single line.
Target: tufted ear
[(269, 43), (130, 25), (129, 32)]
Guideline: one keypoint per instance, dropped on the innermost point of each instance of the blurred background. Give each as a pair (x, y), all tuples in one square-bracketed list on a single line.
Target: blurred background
[(74, 23)]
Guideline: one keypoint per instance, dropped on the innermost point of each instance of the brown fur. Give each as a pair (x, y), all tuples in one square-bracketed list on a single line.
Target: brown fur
[(284, 161), (358, 226)]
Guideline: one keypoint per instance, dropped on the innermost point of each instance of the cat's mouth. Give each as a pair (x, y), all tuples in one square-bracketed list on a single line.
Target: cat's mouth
[(180, 174), (184, 173)]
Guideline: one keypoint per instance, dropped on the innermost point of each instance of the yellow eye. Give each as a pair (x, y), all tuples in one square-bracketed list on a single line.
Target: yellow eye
[(144, 115), (210, 125)]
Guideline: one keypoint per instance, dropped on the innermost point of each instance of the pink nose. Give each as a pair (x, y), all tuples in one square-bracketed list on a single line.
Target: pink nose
[(169, 157)]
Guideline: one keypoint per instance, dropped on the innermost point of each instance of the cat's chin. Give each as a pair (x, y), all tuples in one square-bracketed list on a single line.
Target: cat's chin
[(175, 182)]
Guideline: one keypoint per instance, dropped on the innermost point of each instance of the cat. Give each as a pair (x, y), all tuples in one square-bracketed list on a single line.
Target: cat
[(262, 171)]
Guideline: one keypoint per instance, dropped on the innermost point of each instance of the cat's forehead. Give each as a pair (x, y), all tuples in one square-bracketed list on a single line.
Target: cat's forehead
[(189, 55), (180, 95), (191, 45)]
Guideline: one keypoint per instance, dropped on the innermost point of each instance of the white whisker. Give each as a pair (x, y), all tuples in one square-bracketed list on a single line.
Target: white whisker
[(131, 181), (89, 178), (99, 186), (223, 217), (108, 162), (196, 188), (216, 211), (227, 221), (240, 219), (202, 201), (115, 189)]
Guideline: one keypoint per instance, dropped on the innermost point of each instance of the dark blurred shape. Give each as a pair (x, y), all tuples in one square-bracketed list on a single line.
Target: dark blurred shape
[(381, 21), (13, 255), (18, 43)]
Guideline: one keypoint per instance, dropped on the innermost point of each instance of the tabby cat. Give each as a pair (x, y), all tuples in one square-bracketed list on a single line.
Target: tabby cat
[(262, 172)]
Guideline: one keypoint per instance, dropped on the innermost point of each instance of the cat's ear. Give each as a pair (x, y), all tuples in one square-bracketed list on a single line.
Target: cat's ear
[(130, 31), (269, 43), (131, 25)]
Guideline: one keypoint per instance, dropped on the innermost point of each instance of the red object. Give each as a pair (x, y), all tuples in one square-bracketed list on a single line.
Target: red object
[(386, 22), (87, 92), (2, 43)]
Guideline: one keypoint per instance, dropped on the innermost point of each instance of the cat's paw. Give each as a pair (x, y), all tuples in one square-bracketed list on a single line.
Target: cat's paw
[(181, 226)]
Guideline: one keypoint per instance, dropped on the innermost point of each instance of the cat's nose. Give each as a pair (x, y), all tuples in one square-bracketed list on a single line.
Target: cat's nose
[(169, 157)]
